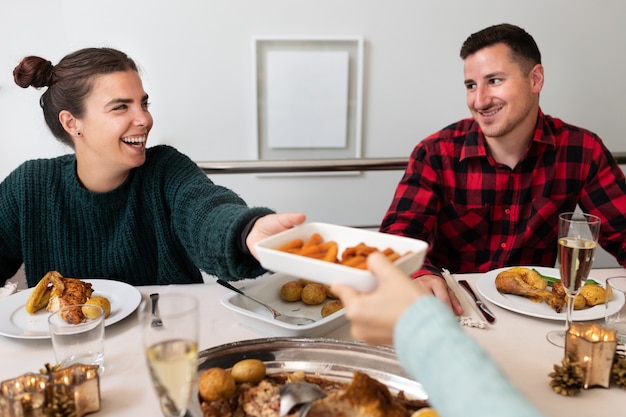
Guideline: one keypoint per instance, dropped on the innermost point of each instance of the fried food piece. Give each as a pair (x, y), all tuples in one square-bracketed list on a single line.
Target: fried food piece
[(358, 261), (360, 249), (593, 294), (354, 256), (329, 293), (331, 307), (331, 253), (512, 283), (215, 384), (313, 294), (290, 246), (314, 240), (291, 291)]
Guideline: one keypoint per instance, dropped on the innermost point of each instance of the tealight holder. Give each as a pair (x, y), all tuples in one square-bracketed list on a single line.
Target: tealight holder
[(24, 396), (592, 347), (73, 391)]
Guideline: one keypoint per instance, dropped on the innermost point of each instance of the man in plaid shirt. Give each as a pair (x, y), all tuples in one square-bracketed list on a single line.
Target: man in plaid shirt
[(487, 192)]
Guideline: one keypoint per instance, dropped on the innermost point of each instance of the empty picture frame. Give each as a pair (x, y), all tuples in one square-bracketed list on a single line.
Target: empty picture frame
[(308, 97)]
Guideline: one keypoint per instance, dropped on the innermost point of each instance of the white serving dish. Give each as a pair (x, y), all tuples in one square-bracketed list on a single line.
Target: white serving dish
[(332, 273), (267, 289)]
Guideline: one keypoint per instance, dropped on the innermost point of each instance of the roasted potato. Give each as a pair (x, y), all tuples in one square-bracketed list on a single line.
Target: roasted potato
[(248, 370), (291, 291), (97, 301), (331, 307), (579, 302), (313, 294), (215, 384), (329, 293), (594, 294)]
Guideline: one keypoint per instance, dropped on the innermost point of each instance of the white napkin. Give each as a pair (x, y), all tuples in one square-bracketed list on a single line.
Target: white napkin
[(471, 317), (8, 289)]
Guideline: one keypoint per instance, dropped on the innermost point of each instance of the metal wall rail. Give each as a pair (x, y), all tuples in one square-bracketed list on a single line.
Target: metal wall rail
[(319, 165), (311, 165)]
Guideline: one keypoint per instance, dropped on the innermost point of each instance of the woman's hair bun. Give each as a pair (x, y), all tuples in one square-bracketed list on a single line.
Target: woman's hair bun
[(33, 71)]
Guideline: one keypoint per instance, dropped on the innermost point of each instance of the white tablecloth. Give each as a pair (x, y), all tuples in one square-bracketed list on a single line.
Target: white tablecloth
[(516, 342)]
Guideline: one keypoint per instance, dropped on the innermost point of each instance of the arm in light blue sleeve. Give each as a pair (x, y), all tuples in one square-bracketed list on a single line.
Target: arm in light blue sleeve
[(459, 377)]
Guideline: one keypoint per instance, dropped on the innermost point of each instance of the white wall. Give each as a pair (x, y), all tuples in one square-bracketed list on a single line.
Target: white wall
[(197, 66)]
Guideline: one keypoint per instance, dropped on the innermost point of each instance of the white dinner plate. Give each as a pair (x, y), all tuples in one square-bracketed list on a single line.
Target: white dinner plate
[(487, 288), (17, 323), (258, 318)]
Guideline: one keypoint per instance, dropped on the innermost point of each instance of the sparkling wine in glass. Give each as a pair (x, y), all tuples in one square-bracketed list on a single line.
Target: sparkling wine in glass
[(578, 238), (172, 349)]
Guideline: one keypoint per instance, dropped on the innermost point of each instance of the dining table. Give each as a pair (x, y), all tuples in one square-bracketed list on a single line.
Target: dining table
[(516, 342)]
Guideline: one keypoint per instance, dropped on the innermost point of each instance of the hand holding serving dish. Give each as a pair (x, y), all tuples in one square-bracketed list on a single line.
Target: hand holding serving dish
[(411, 251)]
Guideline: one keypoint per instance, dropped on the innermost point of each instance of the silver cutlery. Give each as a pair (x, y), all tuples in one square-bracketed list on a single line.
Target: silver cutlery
[(489, 316), (293, 394), (156, 320), (299, 321)]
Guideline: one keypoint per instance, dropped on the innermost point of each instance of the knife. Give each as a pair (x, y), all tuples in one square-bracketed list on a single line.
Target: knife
[(491, 318)]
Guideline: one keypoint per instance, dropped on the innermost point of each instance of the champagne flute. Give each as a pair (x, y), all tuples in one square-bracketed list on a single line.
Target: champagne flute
[(171, 348), (578, 237)]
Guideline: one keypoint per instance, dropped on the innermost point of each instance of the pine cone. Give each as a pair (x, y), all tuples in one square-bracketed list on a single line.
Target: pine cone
[(567, 380), (618, 371), (48, 369)]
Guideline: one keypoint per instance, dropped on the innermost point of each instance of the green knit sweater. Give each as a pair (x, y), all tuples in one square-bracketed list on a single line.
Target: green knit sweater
[(165, 223)]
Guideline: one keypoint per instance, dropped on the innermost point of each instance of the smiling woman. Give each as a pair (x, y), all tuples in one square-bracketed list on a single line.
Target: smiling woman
[(115, 208)]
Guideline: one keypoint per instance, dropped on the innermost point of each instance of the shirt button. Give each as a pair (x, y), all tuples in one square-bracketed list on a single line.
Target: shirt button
[(507, 211), (503, 245)]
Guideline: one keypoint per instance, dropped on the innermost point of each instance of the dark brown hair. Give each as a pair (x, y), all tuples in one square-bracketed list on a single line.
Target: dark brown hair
[(523, 47), (69, 82)]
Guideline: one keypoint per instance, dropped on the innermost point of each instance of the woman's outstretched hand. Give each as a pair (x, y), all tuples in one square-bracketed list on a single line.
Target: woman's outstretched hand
[(373, 315), (270, 225)]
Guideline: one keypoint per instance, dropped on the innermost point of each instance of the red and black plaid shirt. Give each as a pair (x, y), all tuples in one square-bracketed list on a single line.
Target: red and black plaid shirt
[(479, 215)]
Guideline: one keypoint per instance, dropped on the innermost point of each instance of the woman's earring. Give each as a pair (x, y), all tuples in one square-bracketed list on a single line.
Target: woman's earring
[(77, 133)]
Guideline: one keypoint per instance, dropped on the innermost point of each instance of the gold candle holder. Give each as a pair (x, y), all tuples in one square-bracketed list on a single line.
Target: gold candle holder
[(592, 347), (71, 391), (24, 396)]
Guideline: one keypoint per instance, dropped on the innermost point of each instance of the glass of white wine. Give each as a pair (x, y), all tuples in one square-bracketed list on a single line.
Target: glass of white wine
[(578, 237), (171, 348)]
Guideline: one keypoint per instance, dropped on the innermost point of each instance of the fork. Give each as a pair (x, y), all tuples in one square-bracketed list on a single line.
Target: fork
[(156, 320)]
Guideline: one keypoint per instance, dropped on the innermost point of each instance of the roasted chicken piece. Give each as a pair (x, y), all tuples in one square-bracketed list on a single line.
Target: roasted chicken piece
[(60, 292), (365, 396), (513, 283), (530, 277)]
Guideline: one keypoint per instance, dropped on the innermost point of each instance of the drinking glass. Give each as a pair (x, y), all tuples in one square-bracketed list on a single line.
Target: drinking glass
[(81, 342), (171, 348), (578, 237)]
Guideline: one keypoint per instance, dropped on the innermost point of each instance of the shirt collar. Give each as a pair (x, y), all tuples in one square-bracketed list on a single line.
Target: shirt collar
[(475, 145)]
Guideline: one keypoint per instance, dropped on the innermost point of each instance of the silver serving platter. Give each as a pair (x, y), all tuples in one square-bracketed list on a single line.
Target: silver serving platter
[(329, 358)]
